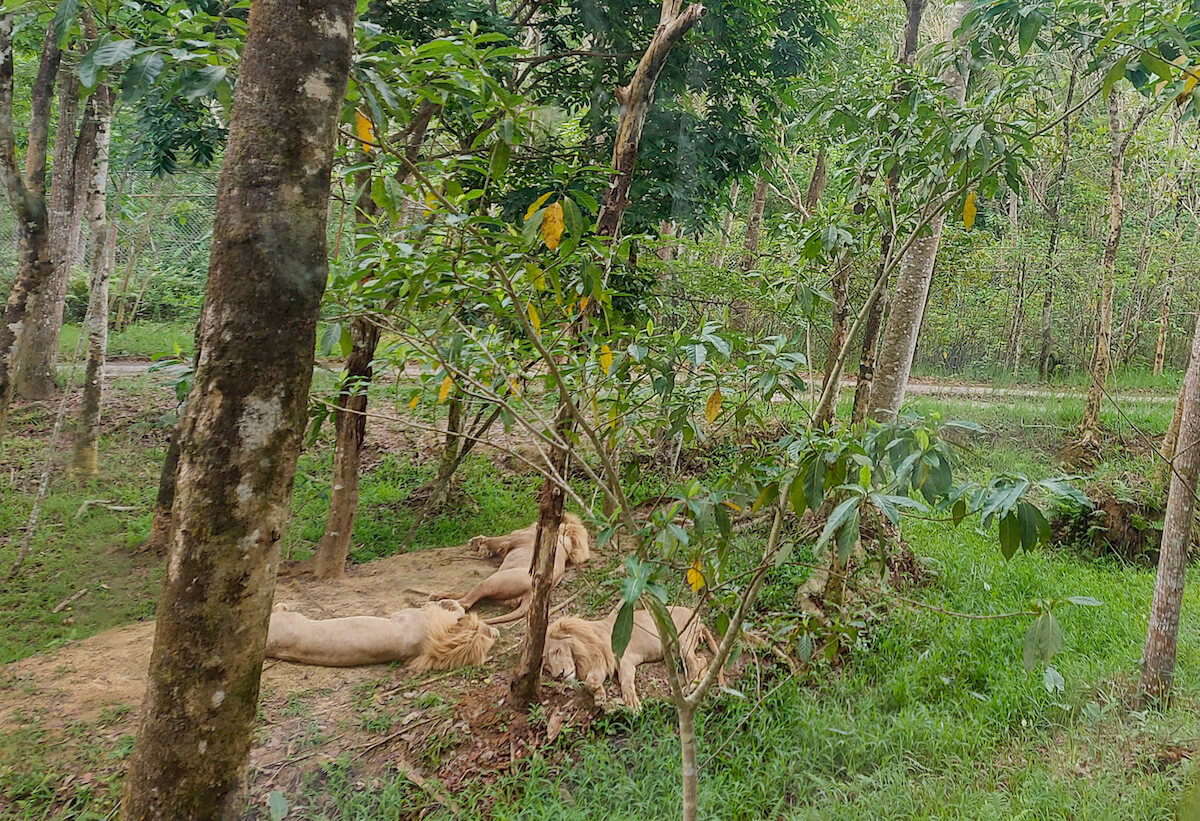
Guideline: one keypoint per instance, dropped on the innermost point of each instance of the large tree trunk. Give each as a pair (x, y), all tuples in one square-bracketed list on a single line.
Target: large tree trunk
[(1101, 363), (35, 369), (245, 415), (27, 196), (906, 308), (524, 689), (1162, 637), (673, 23), (95, 323), (350, 430)]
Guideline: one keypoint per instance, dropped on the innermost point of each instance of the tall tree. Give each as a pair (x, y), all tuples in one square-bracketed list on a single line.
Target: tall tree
[(27, 196), (674, 23), (1101, 362), (246, 412), (1162, 637), (914, 10), (98, 119), (907, 305)]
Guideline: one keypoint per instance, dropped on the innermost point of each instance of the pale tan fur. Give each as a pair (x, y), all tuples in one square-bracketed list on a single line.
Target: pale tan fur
[(513, 580), (579, 649), (438, 636)]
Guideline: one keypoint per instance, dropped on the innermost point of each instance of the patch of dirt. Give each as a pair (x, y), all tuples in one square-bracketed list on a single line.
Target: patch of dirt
[(1125, 522)]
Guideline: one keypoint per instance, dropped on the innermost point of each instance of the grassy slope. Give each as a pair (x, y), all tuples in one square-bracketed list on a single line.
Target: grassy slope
[(931, 717)]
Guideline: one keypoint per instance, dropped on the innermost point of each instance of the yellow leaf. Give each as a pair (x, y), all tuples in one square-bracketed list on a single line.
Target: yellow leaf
[(416, 398), (606, 358), (733, 505), (534, 319), (536, 276), (431, 202), (516, 391), (1188, 85), (366, 132), (552, 225), (695, 576), (969, 211), (447, 384), (537, 204), (583, 304), (713, 406)]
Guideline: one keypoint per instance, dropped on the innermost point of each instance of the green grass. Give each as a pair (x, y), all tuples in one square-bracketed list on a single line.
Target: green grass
[(1122, 379), (142, 340)]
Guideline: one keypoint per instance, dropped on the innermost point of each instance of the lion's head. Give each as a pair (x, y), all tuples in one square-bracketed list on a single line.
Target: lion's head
[(558, 659), (574, 648), (453, 638)]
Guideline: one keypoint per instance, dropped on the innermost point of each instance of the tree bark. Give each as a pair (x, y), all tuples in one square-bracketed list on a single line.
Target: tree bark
[(350, 431), (907, 305), (634, 100), (839, 320), (1162, 637), (1164, 325), (95, 323), (1101, 362), (246, 414), (27, 196), (1162, 470), (36, 370), (816, 183), (758, 203), (914, 11), (525, 685), (687, 754)]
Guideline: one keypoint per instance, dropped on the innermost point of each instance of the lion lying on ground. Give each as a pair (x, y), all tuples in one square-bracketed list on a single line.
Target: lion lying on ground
[(579, 649), (513, 579), (438, 636)]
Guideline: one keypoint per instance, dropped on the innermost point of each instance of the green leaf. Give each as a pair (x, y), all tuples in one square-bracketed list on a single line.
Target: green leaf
[(113, 52), (277, 805), (1028, 31), (1042, 640), (499, 164), (1084, 601), (201, 82), (346, 342), (1152, 62), (140, 75), (662, 617), (769, 494), (1112, 75), (1061, 487), (1010, 535), (847, 537), (622, 629), (64, 17), (1053, 681), (1027, 517), (840, 514), (784, 553), (814, 484), (573, 218)]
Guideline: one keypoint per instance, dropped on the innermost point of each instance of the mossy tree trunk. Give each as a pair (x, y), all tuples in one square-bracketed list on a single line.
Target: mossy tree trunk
[(245, 416), (1162, 637), (95, 324), (27, 196)]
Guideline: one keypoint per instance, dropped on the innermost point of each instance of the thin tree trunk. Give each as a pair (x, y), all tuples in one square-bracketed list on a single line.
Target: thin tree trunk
[(1162, 637), (1164, 325), (525, 684), (726, 226), (687, 754), (906, 308), (758, 203), (839, 316), (816, 183), (1162, 470), (1101, 362), (350, 431), (160, 529), (634, 100), (139, 243), (27, 196), (246, 413), (95, 324), (1046, 329)]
